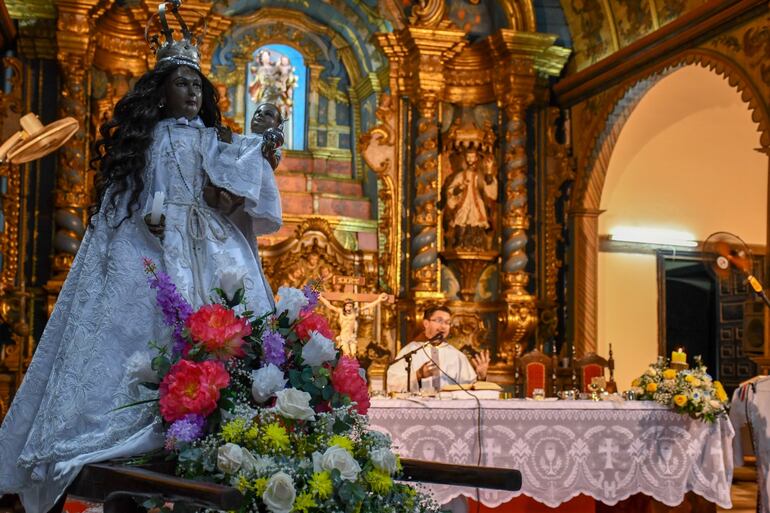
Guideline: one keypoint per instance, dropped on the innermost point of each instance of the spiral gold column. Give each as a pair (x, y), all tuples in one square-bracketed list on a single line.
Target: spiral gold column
[(520, 58), (424, 231), (74, 29)]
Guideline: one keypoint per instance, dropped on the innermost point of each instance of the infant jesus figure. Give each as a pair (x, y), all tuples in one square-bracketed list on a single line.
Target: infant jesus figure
[(267, 123)]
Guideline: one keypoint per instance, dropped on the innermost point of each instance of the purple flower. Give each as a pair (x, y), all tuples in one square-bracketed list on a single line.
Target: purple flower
[(312, 297), (173, 306), (188, 428), (273, 348)]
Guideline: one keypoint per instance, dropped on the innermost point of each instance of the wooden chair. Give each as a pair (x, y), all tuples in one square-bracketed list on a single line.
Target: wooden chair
[(535, 370), (590, 366)]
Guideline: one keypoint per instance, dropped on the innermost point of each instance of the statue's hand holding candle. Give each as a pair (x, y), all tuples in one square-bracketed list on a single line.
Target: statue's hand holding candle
[(155, 220), (157, 207)]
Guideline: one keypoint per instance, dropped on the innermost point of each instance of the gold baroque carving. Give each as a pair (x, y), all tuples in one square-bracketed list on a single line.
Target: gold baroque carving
[(430, 14), (12, 299), (314, 253), (520, 14), (120, 44), (10, 103), (558, 171), (379, 149)]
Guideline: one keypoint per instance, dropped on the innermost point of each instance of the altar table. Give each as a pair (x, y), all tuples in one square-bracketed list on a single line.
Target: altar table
[(608, 450)]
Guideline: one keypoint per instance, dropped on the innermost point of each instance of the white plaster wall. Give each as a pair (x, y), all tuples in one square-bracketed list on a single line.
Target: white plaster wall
[(684, 160)]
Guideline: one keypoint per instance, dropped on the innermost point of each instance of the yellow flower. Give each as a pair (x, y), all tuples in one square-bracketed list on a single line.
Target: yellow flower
[(321, 485), (695, 382), (720, 391), (276, 436), (669, 374), (689, 378), (304, 502), (379, 481), (680, 400), (343, 441), (635, 382), (259, 485), (233, 431), (652, 387), (243, 484), (252, 434)]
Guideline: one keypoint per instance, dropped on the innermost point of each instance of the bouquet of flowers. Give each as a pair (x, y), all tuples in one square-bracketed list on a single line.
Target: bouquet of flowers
[(269, 406), (688, 391)]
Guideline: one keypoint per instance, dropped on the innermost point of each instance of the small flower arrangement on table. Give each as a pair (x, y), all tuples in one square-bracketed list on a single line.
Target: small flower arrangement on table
[(269, 406), (687, 391)]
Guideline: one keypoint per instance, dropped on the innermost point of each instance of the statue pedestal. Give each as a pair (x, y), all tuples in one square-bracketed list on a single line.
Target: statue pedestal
[(469, 265)]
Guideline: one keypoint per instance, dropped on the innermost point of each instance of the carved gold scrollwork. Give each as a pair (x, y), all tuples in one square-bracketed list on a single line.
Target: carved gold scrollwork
[(379, 150), (428, 13), (517, 321)]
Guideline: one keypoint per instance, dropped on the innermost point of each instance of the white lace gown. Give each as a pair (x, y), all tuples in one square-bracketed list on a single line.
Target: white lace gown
[(62, 416), (751, 403)]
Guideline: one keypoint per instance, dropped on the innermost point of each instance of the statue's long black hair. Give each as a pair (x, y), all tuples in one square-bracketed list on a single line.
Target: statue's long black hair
[(121, 150)]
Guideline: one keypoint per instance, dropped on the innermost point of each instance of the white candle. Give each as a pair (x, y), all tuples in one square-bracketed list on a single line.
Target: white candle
[(157, 207)]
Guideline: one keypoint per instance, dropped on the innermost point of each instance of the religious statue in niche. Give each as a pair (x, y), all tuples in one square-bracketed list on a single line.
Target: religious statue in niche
[(273, 81), (470, 191)]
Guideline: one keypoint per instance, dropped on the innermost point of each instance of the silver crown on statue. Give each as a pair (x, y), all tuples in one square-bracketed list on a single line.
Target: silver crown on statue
[(172, 51)]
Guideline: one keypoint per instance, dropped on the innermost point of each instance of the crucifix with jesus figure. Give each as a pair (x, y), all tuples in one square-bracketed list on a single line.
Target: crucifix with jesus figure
[(351, 308)]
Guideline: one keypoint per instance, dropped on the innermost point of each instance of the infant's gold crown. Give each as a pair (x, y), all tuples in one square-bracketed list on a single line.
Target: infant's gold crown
[(167, 49)]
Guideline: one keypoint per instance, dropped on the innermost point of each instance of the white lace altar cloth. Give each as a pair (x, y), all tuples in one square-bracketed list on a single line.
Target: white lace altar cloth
[(607, 450)]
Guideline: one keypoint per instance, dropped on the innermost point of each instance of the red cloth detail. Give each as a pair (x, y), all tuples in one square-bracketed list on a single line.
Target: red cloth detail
[(75, 506), (590, 371), (524, 504), (535, 377)]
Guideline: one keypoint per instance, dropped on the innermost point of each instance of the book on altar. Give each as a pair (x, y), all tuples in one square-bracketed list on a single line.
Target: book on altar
[(479, 389)]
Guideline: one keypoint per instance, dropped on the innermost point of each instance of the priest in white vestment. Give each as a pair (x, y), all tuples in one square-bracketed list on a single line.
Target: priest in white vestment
[(435, 363)]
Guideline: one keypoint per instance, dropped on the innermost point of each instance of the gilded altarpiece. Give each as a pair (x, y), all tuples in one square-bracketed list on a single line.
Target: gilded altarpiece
[(413, 178), (458, 144)]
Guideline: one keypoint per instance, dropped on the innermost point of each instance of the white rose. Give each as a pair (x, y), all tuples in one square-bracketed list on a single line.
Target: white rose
[(318, 350), (229, 458), (384, 459), (651, 371), (139, 370), (266, 381), (231, 279), (248, 463), (292, 301), (338, 458), (279, 494), (294, 404)]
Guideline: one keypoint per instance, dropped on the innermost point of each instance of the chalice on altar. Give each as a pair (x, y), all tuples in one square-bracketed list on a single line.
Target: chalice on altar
[(597, 388)]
